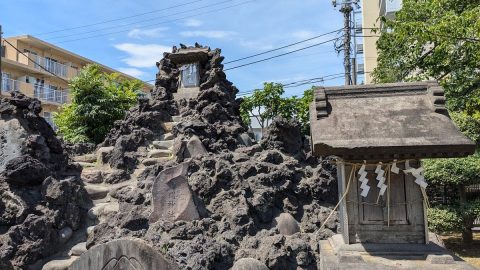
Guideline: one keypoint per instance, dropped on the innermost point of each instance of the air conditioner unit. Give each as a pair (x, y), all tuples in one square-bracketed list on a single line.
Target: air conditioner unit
[(358, 27), (359, 48), (360, 68)]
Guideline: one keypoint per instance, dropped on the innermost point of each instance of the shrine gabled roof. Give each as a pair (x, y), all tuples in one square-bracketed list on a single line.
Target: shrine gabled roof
[(385, 121)]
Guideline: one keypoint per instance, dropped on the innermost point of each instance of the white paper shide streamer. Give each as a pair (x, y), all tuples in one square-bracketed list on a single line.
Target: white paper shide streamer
[(394, 167), (363, 178), (381, 179), (418, 174)]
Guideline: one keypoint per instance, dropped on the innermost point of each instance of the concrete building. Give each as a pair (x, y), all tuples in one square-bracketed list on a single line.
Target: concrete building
[(367, 18), (26, 71)]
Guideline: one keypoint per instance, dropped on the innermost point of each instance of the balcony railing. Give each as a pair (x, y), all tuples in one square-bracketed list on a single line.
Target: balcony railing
[(41, 63), (43, 93)]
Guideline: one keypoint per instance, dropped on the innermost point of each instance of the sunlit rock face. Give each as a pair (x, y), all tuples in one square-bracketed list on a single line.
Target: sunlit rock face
[(40, 191)]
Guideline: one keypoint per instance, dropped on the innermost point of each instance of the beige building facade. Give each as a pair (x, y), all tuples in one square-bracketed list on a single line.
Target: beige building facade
[(366, 50), (42, 70)]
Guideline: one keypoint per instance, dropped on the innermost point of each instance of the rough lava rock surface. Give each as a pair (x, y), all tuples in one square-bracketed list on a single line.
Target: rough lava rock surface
[(243, 189), (40, 190)]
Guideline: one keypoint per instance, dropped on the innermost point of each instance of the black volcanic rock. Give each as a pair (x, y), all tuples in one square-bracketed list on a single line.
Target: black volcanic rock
[(40, 189), (242, 189)]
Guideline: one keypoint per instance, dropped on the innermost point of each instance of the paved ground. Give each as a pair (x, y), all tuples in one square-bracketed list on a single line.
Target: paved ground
[(470, 254)]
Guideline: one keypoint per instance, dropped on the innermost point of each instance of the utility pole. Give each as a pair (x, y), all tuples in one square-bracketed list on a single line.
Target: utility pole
[(347, 9), (1, 55)]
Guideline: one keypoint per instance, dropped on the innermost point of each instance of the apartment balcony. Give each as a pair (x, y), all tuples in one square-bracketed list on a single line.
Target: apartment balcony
[(44, 63), (43, 93)]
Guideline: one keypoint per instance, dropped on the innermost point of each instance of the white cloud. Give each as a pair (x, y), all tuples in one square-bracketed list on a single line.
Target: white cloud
[(208, 34), (149, 33), (256, 45), (193, 23), (142, 55), (132, 72), (303, 34)]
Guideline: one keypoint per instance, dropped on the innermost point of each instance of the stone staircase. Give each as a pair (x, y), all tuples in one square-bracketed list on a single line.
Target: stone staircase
[(95, 170)]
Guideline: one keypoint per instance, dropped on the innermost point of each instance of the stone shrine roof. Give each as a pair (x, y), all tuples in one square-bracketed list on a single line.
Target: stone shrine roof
[(385, 121), (190, 55)]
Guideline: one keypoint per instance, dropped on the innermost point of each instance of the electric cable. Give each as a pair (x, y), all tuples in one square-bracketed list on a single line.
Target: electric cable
[(117, 19)]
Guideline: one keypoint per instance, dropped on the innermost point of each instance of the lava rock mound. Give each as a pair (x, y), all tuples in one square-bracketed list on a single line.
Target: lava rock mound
[(255, 203), (40, 190)]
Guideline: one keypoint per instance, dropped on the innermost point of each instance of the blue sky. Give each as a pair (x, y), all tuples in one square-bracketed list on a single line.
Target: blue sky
[(239, 27)]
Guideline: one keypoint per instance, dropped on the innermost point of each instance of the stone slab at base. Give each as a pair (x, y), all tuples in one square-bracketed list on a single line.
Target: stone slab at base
[(336, 255)]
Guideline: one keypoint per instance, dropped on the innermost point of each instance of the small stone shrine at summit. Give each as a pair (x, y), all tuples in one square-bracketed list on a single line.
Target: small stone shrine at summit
[(379, 134), (189, 61)]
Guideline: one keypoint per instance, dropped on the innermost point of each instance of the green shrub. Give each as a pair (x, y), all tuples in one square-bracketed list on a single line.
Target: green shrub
[(98, 100), (444, 219)]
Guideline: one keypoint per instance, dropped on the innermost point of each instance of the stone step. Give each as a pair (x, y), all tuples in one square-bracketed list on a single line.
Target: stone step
[(78, 249), (90, 230), (90, 158), (166, 137), (163, 144), (158, 153), (168, 126), (97, 191), (153, 161), (60, 264), (102, 209), (176, 118), (85, 164), (102, 154), (92, 176), (138, 171)]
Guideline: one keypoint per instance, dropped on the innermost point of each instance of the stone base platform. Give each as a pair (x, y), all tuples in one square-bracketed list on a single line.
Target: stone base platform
[(336, 255)]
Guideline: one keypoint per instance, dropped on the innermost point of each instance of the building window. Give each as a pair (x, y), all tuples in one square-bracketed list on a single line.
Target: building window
[(3, 50), (189, 75)]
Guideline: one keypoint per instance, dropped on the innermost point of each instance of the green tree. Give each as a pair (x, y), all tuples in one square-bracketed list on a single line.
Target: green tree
[(435, 39), (267, 103), (459, 173), (98, 99)]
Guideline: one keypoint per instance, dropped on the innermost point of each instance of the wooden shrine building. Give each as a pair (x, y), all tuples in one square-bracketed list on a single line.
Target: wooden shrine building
[(379, 134)]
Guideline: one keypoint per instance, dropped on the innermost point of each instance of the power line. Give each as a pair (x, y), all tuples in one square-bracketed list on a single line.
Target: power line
[(313, 80), (283, 47), (435, 34), (173, 20), (141, 21), (316, 78), (36, 63), (279, 55), (286, 46), (118, 19)]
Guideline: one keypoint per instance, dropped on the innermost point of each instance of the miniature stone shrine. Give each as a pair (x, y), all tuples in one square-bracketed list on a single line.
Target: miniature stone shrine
[(189, 61), (379, 133)]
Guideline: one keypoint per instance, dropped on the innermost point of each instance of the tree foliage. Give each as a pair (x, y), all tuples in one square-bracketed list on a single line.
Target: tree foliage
[(443, 219), (98, 99), (440, 40), (453, 171), (267, 103), (435, 39)]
